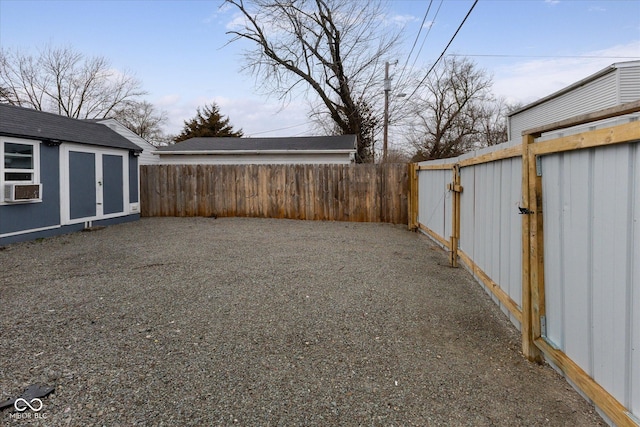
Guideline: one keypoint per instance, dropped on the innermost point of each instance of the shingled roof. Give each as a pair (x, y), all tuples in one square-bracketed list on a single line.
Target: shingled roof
[(27, 123), (345, 143)]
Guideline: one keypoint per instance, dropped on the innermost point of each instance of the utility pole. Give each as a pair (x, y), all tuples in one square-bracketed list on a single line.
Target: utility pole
[(387, 89)]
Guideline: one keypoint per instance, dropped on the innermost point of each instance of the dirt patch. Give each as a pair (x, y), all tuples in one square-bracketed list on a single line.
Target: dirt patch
[(201, 321)]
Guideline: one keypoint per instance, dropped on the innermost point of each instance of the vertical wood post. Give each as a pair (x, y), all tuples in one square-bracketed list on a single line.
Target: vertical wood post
[(536, 233), (529, 256), (413, 196), (456, 189)]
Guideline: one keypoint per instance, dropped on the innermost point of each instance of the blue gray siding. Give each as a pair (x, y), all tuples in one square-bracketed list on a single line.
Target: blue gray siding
[(25, 216), (28, 221)]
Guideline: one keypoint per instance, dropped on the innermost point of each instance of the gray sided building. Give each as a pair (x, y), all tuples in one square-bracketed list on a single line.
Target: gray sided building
[(617, 84), (59, 175)]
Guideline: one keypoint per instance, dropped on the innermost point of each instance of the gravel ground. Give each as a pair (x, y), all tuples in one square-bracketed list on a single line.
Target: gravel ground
[(254, 322)]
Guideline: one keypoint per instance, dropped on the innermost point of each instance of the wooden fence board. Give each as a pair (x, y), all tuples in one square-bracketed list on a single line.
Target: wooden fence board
[(364, 193)]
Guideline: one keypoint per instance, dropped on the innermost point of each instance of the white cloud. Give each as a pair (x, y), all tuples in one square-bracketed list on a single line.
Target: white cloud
[(168, 100), (400, 20), (261, 116), (215, 16), (528, 81), (238, 22), (254, 116)]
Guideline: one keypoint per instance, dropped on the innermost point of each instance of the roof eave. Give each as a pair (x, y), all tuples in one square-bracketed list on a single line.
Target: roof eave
[(607, 70), (244, 152), (61, 141)]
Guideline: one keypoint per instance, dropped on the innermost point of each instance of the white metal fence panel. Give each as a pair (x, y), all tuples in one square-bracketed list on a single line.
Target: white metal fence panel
[(490, 226), (634, 297), (591, 242), (591, 205), (468, 220), (434, 210)]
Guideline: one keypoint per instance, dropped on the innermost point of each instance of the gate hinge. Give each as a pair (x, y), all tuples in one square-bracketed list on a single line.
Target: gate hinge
[(538, 166)]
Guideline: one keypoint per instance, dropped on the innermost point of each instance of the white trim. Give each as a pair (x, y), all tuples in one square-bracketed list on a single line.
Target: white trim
[(263, 159), (33, 230), (96, 218), (36, 166), (196, 152), (65, 214)]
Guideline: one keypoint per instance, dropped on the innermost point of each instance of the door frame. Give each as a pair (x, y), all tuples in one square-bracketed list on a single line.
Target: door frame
[(65, 200)]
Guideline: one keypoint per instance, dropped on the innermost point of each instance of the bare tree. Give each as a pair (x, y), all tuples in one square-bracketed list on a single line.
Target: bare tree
[(333, 48), (455, 113), (66, 82), (493, 121), (397, 155), (143, 119)]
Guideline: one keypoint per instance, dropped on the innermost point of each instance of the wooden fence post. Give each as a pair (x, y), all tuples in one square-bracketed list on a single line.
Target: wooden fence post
[(456, 189), (529, 260), (413, 196)]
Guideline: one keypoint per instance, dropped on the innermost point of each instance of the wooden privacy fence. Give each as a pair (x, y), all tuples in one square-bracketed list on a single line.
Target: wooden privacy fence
[(550, 227), (363, 193)]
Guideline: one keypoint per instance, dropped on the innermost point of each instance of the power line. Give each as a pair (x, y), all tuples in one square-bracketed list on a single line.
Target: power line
[(275, 130), (404, 67), (427, 35), (424, 40), (443, 52), (489, 55)]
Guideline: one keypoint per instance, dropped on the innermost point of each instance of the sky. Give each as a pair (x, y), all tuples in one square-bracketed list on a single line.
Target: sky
[(180, 50)]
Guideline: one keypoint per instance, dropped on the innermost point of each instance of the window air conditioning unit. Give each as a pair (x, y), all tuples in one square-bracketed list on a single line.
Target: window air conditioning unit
[(22, 192)]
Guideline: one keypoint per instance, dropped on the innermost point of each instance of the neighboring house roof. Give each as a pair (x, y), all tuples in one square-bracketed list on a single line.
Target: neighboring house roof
[(34, 124), (307, 144), (146, 157)]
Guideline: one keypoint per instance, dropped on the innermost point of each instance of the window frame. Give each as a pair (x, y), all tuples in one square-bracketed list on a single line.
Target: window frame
[(35, 171)]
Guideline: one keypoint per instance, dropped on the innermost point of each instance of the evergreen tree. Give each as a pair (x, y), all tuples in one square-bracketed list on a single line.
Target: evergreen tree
[(208, 122)]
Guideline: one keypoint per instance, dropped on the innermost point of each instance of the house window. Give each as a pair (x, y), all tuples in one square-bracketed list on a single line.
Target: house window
[(19, 161)]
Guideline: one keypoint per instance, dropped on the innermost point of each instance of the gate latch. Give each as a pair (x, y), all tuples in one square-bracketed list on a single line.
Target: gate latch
[(525, 211)]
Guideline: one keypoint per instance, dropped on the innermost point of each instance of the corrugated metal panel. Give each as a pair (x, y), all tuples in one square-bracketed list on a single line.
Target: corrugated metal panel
[(629, 78), (634, 298), (434, 209), (591, 204), (511, 240), (567, 211), (596, 95), (490, 223), (611, 226), (468, 211), (485, 215)]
